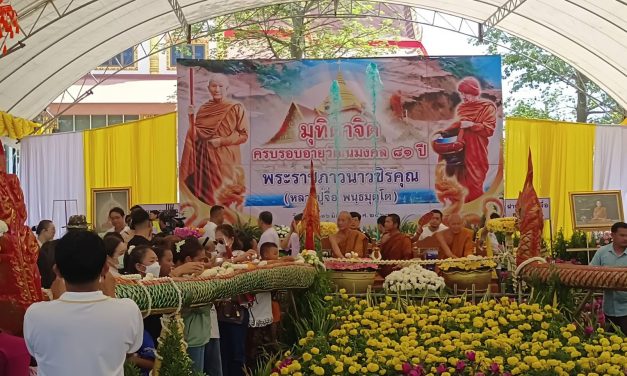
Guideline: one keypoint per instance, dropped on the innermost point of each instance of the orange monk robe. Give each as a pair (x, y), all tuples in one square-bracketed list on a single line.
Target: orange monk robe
[(397, 247), (205, 168), (353, 242), (472, 174), (461, 244)]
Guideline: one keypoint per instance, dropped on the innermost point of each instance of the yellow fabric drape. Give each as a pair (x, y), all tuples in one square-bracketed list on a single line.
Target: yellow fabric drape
[(562, 162), (140, 155), (15, 127)]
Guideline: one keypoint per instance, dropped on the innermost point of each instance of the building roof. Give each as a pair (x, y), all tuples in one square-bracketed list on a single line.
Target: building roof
[(68, 38)]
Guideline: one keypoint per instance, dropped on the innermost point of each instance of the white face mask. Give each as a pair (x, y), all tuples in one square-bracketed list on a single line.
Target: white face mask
[(120, 262), (154, 269), (220, 248)]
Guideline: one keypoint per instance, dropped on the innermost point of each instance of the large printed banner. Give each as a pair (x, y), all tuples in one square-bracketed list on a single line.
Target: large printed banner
[(388, 135)]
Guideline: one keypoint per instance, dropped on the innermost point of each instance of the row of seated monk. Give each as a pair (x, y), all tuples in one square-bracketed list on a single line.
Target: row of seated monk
[(450, 242)]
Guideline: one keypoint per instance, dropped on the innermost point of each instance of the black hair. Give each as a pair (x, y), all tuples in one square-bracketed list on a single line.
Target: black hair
[(215, 209), (298, 217), (494, 216), (436, 211), (160, 250), (136, 256), (230, 232), (191, 248), (111, 241), (356, 215), (80, 256), (265, 247), (395, 219), (381, 220), (43, 225), (617, 226), (118, 210), (265, 217), (138, 217), (136, 207)]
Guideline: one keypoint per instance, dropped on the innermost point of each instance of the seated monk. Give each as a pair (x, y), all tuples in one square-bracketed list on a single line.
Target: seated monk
[(456, 241), (346, 240), (396, 245)]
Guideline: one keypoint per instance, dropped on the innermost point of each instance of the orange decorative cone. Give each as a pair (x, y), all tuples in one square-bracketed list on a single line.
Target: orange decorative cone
[(311, 214), (530, 219)]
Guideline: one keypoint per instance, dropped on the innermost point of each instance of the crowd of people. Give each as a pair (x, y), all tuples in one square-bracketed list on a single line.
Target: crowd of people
[(81, 267), (224, 338)]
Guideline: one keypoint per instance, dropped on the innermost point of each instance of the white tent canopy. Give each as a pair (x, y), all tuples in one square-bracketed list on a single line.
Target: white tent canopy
[(591, 35)]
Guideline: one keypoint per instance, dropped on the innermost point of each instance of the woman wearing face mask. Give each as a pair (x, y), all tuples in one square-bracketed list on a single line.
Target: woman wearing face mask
[(116, 249), (230, 246), (197, 320), (141, 260)]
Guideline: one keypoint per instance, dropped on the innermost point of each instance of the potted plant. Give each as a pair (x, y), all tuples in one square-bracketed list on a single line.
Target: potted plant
[(353, 274), (468, 271)]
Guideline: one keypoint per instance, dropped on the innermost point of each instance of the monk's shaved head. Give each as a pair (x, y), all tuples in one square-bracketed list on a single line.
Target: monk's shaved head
[(455, 223), (455, 218), (219, 78), (343, 220)]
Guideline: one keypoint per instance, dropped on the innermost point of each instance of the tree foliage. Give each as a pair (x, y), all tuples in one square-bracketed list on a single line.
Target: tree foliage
[(565, 93), (292, 31)]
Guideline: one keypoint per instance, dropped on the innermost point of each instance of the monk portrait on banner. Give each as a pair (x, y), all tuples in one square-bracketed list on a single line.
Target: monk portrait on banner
[(475, 124), (211, 154)]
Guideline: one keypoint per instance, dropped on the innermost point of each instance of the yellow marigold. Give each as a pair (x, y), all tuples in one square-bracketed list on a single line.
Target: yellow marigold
[(307, 357), (318, 371), (372, 367)]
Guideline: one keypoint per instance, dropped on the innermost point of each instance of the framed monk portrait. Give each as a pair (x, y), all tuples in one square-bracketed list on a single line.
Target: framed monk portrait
[(597, 210)]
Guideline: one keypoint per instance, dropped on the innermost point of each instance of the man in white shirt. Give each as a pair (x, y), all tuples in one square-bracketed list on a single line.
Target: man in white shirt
[(216, 218), (435, 225), (116, 217), (84, 332), (269, 234)]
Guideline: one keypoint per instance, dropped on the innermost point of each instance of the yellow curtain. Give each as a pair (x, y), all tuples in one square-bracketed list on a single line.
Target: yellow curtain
[(562, 162), (140, 155)]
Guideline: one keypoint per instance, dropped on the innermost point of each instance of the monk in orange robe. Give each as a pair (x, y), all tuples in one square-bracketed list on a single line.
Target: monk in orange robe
[(456, 241), (397, 246), (347, 240), (211, 154), (475, 125)]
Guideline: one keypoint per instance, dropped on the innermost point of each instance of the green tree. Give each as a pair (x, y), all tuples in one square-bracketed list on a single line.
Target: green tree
[(295, 31), (521, 63)]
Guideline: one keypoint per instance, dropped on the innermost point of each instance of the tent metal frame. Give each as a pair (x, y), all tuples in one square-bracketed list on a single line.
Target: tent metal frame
[(323, 9)]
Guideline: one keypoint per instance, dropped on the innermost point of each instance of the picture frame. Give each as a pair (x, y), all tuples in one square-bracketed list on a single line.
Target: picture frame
[(105, 199), (596, 210)]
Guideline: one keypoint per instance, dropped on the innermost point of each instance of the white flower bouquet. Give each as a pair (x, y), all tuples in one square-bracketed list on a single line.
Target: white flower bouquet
[(413, 278), (309, 256), (283, 231)]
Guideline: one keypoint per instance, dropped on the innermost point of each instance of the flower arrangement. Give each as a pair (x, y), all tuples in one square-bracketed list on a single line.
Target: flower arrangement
[(310, 257), (3, 228), (601, 238), (354, 265), (506, 225), (468, 263), (283, 231), (218, 271), (185, 232), (413, 278), (452, 337), (328, 228)]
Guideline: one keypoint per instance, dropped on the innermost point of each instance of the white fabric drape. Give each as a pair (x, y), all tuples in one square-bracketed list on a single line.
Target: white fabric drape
[(610, 160), (52, 173)]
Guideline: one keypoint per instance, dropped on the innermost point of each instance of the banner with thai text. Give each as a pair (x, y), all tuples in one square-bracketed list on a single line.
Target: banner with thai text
[(387, 135)]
